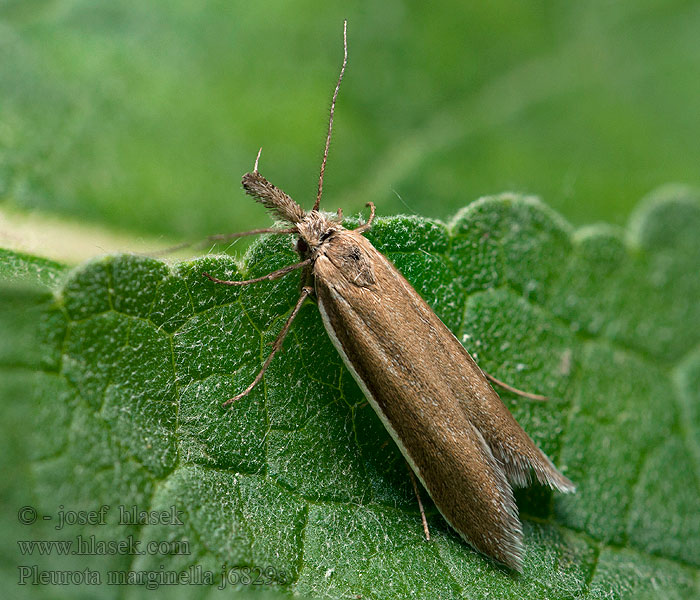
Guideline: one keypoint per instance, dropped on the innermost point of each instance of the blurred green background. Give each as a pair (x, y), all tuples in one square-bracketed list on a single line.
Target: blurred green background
[(142, 116)]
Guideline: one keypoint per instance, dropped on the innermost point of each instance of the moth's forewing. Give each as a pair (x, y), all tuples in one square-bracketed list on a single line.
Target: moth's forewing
[(451, 426)]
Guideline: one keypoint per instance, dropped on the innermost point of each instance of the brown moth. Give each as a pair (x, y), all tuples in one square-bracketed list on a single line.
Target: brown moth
[(449, 423)]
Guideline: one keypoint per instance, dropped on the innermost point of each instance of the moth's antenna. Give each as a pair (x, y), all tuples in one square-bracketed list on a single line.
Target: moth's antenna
[(330, 121), (257, 159)]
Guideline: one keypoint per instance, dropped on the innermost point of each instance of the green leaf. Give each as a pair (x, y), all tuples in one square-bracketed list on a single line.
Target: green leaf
[(300, 478)]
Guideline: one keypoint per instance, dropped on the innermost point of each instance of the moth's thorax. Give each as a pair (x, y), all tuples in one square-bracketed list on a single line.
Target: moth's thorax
[(345, 257)]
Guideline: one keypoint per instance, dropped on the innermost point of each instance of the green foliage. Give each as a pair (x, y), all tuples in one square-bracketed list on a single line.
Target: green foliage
[(143, 116), (301, 478)]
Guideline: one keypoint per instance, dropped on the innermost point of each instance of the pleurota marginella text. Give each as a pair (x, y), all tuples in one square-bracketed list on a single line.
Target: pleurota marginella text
[(457, 436)]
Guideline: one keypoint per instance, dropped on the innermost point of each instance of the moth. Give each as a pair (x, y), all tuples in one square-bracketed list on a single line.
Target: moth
[(449, 423)]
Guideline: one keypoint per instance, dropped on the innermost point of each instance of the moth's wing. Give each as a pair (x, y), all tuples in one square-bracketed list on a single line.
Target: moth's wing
[(409, 318), (509, 442), (386, 344)]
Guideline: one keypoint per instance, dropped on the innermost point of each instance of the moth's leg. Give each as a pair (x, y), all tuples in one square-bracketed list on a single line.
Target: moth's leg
[(307, 278), (368, 224), (305, 293), (339, 217), (269, 277), (220, 237), (416, 489), (510, 388), (225, 237)]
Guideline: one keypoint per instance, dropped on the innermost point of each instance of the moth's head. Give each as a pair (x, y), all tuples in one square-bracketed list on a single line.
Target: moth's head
[(314, 230), (314, 227)]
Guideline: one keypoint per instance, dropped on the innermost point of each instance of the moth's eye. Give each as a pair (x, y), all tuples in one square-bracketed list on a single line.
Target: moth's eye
[(302, 246), (326, 234)]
